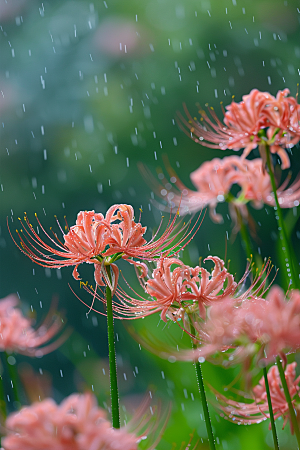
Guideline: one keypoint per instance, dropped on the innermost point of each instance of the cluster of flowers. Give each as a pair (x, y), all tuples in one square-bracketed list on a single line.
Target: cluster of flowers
[(259, 120), (227, 321), (77, 423), (223, 317)]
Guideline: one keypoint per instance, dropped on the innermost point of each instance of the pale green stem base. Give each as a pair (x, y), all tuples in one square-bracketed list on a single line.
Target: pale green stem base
[(114, 395), (289, 400)]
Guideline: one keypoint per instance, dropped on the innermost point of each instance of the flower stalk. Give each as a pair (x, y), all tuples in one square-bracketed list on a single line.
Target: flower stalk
[(291, 273), (288, 399), (114, 395), (201, 388), (272, 420)]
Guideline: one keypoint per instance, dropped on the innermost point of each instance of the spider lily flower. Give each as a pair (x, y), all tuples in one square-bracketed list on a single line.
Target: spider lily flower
[(258, 119), (214, 180), (18, 336), (101, 241), (254, 328), (78, 423), (256, 409), (179, 291)]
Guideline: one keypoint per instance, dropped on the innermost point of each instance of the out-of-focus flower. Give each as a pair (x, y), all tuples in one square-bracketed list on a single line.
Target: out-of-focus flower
[(101, 241), (214, 180), (76, 424), (119, 37), (257, 410), (254, 328), (9, 10), (17, 334), (257, 120)]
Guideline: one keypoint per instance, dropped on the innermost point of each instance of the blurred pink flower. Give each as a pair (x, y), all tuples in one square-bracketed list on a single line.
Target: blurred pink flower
[(258, 410), (214, 180), (245, 124), (250, 327), (76, 424), (101, 241), (17, 334), (119, 37)]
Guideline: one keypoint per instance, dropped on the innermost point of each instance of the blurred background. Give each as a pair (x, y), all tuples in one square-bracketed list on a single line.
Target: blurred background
[(87, 91)]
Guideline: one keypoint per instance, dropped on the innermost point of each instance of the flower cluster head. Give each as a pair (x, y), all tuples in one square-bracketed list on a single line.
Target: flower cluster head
[(179, 291), (100, 240), (17, 334), (259, 119), (214, 180), (76, 424), (256, 409)]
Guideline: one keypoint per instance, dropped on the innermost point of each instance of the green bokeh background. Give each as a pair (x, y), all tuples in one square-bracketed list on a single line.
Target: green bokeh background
[(89, 90)]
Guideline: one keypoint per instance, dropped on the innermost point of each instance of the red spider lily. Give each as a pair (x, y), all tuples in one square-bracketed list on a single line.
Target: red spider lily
[(245, 122), (17, 334), (255, 328), (257, 410), (214, 180), (179, 291), (101, 241)]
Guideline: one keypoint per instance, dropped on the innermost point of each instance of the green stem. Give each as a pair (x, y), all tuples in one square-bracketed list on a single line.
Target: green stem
[(291, 273), (114, 395), (273, 427), (13, 377), (244, 234), (288, 399), (207, 420)]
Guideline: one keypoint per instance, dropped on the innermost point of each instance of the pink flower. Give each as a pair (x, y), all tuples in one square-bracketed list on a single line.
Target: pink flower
[(76, 424), (250, 327), (258, 410), (17, 334), (176, 289), (277, 322), (214, 180), (245, 124), (101, 241), (82, 243)]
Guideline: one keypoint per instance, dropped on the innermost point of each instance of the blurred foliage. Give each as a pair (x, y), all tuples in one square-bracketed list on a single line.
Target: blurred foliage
[(88, 90)]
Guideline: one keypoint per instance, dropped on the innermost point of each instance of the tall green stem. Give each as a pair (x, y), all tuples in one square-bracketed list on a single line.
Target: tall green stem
[(272, 420), (114, 395), (288, 399), (244, 234), (292, 275), (197, 365)]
